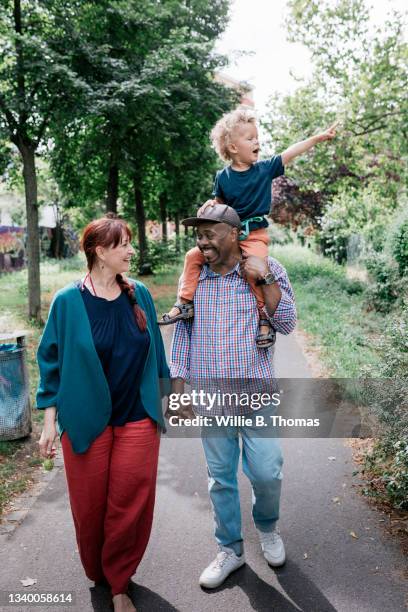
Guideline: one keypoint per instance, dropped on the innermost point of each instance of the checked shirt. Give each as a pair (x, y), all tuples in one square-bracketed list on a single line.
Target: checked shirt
[(217, 350)]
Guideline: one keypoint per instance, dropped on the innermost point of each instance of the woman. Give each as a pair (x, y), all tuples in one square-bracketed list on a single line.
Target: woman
[(100, 358)]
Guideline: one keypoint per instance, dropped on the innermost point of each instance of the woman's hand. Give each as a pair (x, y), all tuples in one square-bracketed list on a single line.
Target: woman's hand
[(48, 435), (180, 410), (183, 412)]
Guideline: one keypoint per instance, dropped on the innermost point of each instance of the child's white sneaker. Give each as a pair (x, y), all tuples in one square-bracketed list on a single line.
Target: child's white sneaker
[(223, 565)]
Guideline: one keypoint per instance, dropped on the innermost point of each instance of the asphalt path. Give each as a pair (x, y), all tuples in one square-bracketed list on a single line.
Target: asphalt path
[(339, 557)]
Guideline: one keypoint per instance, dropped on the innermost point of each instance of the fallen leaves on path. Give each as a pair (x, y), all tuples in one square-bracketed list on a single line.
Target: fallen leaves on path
[(28, 581)]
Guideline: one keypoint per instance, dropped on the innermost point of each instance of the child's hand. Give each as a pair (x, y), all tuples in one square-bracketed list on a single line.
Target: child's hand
[(207, 204), (253, 268), (328, 134)]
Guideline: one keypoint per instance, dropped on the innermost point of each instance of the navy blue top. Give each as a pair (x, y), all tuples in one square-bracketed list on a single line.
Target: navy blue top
[(249, 192), (122, 349)]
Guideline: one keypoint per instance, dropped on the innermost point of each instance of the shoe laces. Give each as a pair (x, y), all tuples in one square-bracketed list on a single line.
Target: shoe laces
[(270, 537), (221, 559)]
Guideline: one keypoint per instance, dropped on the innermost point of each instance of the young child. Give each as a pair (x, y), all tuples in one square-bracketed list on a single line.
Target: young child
[(245, 185)]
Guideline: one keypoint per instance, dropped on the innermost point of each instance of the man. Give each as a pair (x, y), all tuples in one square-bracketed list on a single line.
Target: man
[(219, 344)]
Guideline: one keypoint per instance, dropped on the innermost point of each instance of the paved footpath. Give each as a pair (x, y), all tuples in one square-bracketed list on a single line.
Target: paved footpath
[(327, 568)]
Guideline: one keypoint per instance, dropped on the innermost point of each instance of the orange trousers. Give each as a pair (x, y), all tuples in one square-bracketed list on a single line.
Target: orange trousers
[(256, 244), (112, 491)]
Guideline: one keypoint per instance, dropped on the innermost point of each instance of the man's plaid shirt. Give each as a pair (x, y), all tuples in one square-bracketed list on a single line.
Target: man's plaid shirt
[(220, 342)]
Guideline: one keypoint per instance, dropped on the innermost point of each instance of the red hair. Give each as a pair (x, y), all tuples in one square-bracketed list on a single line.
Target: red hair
[(107, 232)]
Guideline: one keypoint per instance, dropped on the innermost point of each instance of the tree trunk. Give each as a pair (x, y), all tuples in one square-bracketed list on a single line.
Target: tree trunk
[(163, 216), (57, 242), (177, 224), (144, 267), (177, 230), (112, 193), (33, 236)]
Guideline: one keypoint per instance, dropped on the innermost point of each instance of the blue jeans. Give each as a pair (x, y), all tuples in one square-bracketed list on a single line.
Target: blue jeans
[(261, 463)]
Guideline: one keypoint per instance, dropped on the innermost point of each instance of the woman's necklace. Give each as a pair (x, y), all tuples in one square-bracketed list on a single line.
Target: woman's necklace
[(91, 282)]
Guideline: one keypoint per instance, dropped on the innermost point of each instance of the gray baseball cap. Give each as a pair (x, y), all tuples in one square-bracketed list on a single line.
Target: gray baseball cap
[(219, 213)]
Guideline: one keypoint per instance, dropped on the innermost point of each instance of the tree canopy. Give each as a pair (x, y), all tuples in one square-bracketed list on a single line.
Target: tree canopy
[(118, 96), (359, 78)]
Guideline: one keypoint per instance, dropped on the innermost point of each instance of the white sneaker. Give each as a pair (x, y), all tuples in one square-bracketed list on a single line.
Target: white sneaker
[(224, 563), (272, 547)]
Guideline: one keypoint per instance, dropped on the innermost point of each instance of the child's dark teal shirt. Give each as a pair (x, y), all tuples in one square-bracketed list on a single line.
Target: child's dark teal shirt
[(249, 192), (71, 374)]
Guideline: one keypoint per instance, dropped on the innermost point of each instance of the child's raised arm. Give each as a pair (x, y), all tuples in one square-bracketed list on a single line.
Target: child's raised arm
[(301, 147)]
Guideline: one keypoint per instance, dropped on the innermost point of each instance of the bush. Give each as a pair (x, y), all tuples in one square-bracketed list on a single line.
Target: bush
[(388, 472), (279, 234), (352, 286), (303, 265), (353, 220), (396, 477), (400, 247), (386, 286), (389, 401)]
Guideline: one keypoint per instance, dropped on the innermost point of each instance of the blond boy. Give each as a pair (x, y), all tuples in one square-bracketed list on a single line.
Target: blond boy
[(245, 184)]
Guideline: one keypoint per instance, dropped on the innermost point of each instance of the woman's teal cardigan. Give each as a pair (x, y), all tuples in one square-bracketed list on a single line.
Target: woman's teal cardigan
[(71, 374)]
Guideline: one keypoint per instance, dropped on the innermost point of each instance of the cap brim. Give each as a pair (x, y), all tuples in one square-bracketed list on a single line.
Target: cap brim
[(193, 221)]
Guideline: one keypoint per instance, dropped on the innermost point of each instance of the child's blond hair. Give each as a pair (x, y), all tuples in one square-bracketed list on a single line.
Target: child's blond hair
[(221, 134)]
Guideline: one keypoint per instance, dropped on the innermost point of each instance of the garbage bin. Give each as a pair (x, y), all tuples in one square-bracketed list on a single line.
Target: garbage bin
[(15, 410)]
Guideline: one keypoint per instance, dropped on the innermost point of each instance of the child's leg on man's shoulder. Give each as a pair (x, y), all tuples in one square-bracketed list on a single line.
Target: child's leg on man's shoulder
[(193, 262), (256, 244), (188, 282)]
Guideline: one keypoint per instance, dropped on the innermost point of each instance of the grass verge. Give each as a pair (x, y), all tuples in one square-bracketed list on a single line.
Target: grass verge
[(331, 310)]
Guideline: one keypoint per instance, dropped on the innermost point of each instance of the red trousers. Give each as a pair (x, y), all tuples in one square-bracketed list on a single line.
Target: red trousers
[(112, 491)]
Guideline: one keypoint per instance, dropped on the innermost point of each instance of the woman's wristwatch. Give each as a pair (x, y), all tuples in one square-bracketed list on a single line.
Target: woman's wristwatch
[(268, 279)]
